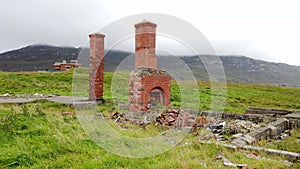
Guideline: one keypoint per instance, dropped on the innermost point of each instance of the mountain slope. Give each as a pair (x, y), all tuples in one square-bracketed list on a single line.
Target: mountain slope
[(237, 68), (246, 70)]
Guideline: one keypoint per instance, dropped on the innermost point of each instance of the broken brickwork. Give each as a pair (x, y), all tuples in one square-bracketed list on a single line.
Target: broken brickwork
[(145, 37), (147, 86)]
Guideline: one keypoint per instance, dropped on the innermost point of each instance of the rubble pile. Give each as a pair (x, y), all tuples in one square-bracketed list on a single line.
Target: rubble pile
[(237, 132), (217, 128), (176, 118), (241, 126)]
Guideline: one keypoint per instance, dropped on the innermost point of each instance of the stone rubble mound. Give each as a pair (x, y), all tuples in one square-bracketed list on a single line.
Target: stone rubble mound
[(241, 126), (237, 132)]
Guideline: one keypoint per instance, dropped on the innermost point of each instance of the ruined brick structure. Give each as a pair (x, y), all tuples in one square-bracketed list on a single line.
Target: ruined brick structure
[(64, 66), (148, 86), (96, 66)]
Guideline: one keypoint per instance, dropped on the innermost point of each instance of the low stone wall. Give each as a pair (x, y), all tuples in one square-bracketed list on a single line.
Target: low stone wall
[(257, 118), (265, 111)]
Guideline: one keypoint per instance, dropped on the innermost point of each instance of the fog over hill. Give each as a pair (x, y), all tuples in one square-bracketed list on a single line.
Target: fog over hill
[(237, 68)]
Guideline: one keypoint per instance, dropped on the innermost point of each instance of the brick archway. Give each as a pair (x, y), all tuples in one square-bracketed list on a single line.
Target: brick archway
[(157, 96)]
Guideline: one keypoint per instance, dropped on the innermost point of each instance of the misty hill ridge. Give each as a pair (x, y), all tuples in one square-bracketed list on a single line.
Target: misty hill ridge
[(237, 68)]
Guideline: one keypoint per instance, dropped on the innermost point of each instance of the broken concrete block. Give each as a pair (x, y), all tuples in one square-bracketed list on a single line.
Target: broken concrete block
[(261, 133), (188, 129), (281, 124), (273, 131)]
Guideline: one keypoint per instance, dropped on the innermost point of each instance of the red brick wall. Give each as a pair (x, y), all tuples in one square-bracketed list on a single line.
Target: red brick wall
[(145, 33), (140, 89), (96, 66)]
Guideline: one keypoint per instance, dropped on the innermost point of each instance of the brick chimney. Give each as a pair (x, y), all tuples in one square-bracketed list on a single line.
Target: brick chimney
[(96, 66), (145, 33)]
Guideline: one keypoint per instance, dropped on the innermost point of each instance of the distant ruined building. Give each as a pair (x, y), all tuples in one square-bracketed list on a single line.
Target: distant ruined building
[(147, 85), (63, 66)]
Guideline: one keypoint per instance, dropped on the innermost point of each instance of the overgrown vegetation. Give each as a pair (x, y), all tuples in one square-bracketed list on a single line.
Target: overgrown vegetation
[(40, 137)]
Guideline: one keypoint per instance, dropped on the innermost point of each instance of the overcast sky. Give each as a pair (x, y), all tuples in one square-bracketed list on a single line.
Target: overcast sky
[(261, 29)]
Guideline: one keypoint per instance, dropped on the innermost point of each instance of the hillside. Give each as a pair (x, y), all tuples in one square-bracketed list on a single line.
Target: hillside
[(237, 68)]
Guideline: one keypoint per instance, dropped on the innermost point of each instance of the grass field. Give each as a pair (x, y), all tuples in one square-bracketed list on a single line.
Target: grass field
[(40, 137), (36, 135), (238, 97)]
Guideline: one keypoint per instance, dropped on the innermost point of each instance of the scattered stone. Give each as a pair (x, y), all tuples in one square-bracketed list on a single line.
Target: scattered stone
[(203, 163), (207, 136), (146, 121), (187, 129), (242, 139), (256, 156), (98, 115), (227, 162), (241, 126), (67, 113), (291, 156), (201, 121), (216, 127), (283, 135), (37, 95), (6, 95), (250, 154)]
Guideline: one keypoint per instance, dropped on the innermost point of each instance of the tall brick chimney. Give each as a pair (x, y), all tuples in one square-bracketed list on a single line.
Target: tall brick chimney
[(148, 86), (145, 33), (96, 66)]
